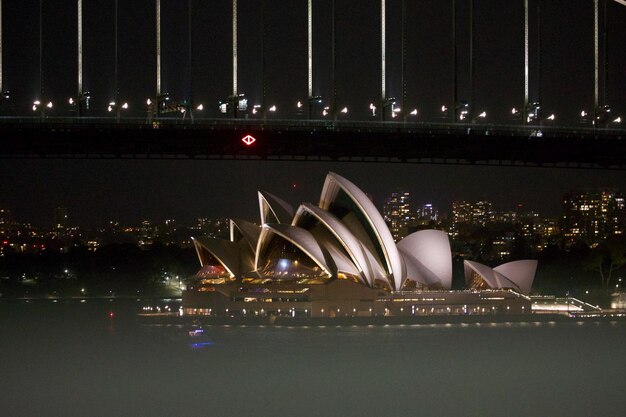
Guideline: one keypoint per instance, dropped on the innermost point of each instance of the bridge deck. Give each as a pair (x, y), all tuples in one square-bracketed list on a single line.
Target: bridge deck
[(315, 141)]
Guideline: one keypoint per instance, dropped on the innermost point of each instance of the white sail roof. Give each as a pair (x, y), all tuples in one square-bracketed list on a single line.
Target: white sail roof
[(273, 209), (227, 253), (368, 267), (491, 278), (248, 230), (299, 237), (428, 255), (363, 214), (520, 272)]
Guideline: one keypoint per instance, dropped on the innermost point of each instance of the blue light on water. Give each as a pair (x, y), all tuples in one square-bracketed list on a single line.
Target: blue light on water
[(200, 345)]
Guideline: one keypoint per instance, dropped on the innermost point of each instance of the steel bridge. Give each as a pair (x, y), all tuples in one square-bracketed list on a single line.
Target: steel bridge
[(465, 138), (291, 140)]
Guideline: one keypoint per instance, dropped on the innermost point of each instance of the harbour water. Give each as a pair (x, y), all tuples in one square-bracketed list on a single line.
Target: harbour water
[(97, 358)]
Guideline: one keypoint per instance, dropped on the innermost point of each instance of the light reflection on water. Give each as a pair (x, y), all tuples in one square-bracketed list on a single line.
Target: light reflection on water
[(72, 359)]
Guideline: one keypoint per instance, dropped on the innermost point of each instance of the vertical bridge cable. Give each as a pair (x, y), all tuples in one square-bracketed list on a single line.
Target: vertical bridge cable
[(595, 55), (235, 50), (80, 51), (526, 90), (383, 51), (1, 89), (310, 47), (158, 49)]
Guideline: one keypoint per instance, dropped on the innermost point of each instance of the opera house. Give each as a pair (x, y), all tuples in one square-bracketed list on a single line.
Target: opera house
[(338, 258)]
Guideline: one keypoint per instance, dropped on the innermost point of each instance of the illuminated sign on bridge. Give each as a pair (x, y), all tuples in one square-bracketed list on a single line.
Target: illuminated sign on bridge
[(248, 140)]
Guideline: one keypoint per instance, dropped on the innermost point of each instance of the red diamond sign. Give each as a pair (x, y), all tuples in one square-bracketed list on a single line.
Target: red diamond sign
[(248, 140)]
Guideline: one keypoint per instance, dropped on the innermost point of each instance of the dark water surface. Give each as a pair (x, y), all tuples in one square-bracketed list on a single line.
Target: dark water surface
[(71, 359)]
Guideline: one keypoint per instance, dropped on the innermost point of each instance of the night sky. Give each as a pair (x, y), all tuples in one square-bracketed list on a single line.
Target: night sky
[(98, 191), (128, 191)]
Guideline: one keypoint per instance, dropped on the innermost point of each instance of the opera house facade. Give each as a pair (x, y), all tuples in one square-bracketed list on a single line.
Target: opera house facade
[(338, 258)]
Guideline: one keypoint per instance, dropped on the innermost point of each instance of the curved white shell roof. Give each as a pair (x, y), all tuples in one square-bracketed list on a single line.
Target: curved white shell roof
[(249, 231), (226, 252), (521, 273), (417, 272), (368, 267), (376, 226), (492, 278), (428, 255), (343, 264), (282, 211), (299, 237)]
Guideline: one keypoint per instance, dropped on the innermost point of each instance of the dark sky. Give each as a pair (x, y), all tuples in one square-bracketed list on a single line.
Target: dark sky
[(96, 191)]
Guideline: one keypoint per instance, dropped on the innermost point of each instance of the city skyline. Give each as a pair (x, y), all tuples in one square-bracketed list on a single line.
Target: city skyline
[(422, 200), (128, 191)]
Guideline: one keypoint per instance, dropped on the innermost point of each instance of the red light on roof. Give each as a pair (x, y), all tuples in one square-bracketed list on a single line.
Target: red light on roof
[(248, 140), (111, 314)]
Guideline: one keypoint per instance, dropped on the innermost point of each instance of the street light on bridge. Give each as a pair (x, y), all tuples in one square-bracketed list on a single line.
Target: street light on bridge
[(37, 105), (114, 106), (482, 115), (83, 101)]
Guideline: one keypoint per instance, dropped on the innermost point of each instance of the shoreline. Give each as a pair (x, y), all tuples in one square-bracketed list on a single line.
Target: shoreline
[(199, 321)]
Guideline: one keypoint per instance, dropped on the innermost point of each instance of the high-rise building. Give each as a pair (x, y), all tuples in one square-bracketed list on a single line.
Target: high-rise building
[(476, 213), (61, 222), (147, 234), (427, 213), (397, 214), (5, 221), (61, 218), (593, 215)]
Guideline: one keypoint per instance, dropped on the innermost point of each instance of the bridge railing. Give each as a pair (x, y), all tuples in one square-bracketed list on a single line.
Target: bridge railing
[(401, 127)]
